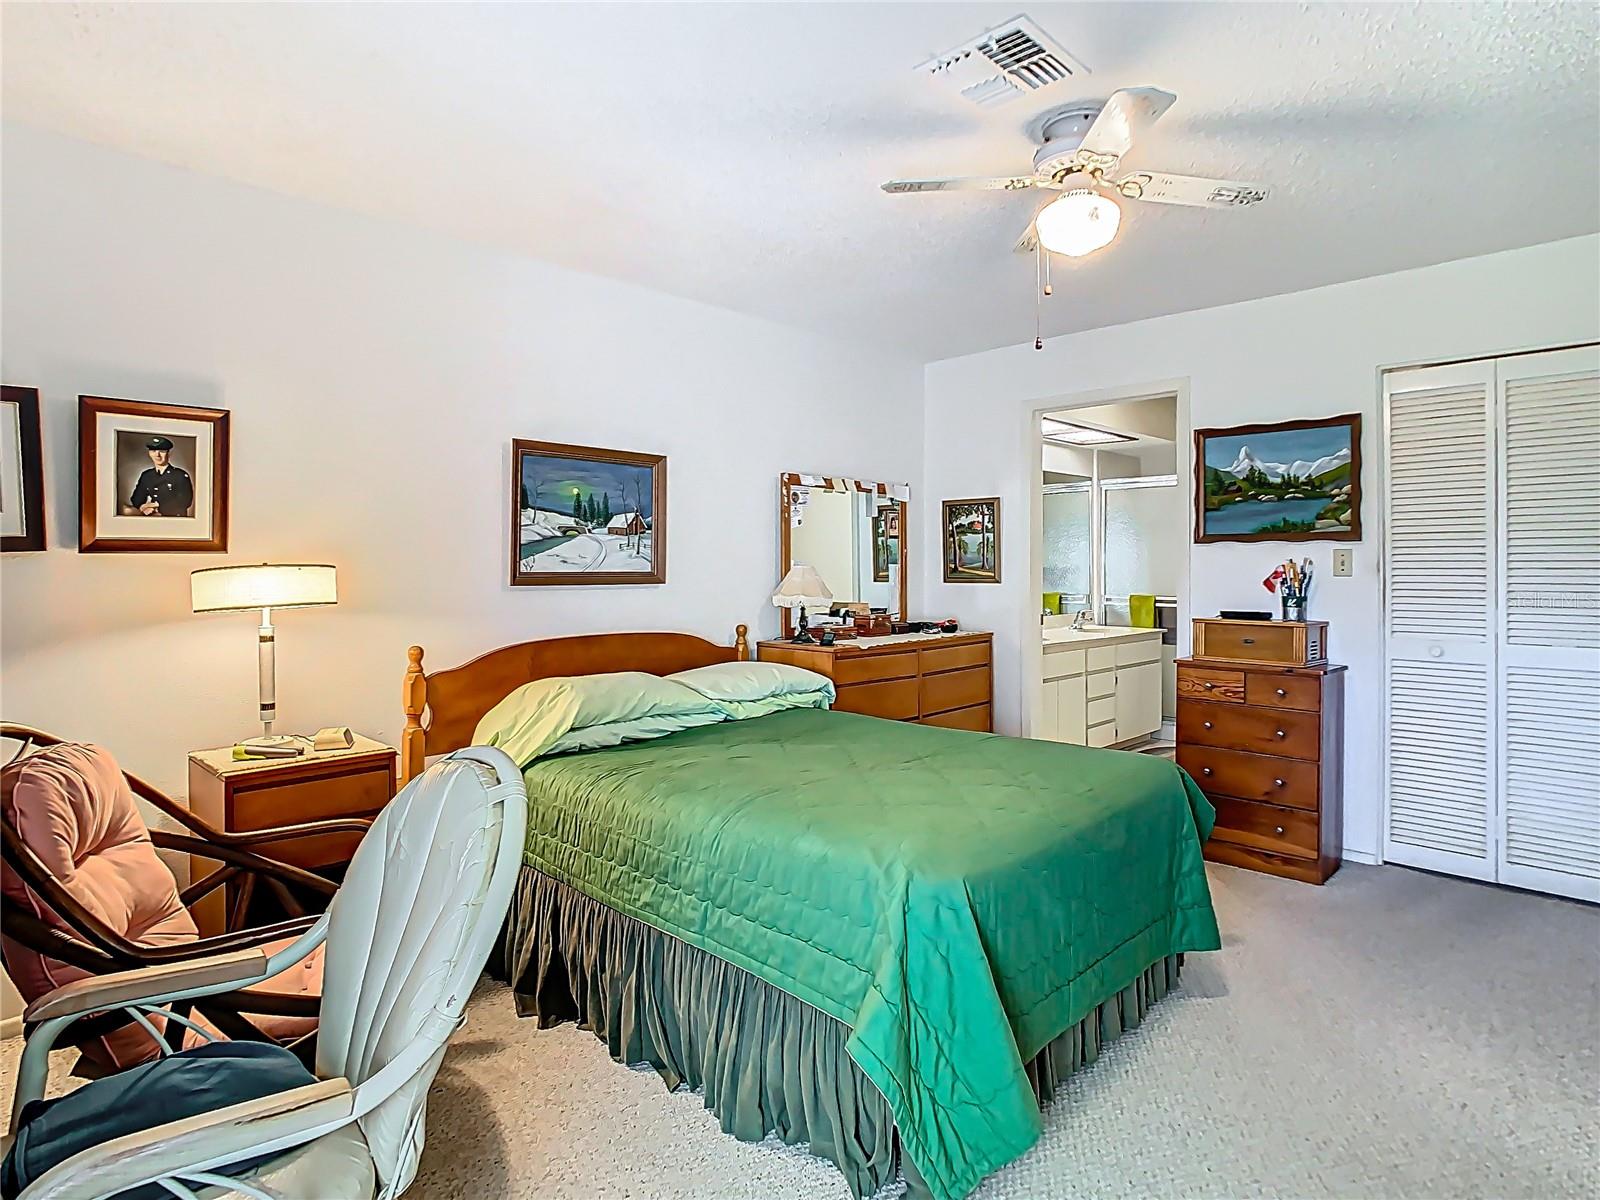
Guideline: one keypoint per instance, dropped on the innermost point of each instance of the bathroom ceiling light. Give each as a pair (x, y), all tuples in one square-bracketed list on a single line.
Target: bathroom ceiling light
[(1079, 435)]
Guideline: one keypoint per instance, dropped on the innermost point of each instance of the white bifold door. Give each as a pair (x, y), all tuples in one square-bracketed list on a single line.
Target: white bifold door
[(1492, 612)]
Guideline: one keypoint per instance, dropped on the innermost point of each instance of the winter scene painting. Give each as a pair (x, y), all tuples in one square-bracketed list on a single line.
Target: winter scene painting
[(584, 515), (1294, 481)]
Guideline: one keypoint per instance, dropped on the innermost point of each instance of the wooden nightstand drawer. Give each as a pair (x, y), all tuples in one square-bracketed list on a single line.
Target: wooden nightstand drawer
[(246, 796)]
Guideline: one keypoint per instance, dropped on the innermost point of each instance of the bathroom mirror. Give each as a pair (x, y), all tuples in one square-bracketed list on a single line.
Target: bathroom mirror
[(852, 532)]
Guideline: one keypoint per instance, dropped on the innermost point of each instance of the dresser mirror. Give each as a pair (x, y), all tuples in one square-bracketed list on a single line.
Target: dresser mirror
[(852, 532)]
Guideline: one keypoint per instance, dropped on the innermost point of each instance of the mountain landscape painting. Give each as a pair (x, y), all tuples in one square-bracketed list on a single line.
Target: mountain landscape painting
[(1293, 481)]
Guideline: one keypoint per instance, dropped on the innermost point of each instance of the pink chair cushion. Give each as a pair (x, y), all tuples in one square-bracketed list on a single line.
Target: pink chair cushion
[(72, 806)]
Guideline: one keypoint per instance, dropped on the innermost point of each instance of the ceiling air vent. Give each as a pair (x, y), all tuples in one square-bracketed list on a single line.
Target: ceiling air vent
[(1004, 63)]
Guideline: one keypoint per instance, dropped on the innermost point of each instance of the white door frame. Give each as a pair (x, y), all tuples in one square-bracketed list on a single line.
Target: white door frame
[(1031, 660)]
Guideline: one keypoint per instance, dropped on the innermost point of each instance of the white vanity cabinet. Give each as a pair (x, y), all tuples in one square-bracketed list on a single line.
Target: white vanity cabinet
[(1101, 688)]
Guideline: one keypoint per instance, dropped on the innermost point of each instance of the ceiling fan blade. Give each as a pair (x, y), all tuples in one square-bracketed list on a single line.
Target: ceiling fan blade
[(1028, 242), (1127, 114), (1188, 189), (997, 183)]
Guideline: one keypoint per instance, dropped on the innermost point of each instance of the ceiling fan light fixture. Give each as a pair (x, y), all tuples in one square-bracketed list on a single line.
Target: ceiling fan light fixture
[(1078, 222)]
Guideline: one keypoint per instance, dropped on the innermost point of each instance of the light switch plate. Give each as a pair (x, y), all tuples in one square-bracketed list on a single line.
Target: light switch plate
[(1343, 563)]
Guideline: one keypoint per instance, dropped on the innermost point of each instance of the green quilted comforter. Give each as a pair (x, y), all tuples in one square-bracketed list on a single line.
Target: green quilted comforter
[(956, 899)]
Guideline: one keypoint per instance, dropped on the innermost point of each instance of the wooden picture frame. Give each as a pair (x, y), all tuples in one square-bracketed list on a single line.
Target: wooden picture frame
[(985, 510), (22, 477), (112, 436), (1338, 487), (629, 534)]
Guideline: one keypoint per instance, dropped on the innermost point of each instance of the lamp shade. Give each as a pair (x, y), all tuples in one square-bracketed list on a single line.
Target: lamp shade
[(1078, 223), (801, 586), (267, 585)]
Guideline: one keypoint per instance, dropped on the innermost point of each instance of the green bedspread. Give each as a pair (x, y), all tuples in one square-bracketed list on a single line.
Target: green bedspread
[(956, 899)]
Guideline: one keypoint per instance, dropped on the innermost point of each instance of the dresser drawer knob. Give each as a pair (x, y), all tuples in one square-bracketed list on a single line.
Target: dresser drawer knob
[(1281, 692), (1278, 831), (1249, 641), (1206, 724), (1277, 783), (1208, 686), (1282, 734), (1205, 770)]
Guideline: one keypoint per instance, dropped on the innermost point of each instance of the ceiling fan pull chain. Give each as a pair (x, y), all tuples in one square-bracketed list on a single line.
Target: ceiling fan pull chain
[(1048, 290), (1038, 299)]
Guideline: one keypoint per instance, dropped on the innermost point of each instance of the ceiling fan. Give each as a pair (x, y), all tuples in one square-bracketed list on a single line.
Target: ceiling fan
[(1082, 147)]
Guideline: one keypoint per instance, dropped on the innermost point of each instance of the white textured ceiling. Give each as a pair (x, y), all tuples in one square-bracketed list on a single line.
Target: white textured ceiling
[(731, 153)]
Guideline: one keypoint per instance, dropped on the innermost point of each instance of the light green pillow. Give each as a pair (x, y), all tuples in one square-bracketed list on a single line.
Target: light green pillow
[(538, 717), (754, 689)]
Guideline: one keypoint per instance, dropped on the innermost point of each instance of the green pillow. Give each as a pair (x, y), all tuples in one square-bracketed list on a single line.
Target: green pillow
[(754, 689), (538, 717)]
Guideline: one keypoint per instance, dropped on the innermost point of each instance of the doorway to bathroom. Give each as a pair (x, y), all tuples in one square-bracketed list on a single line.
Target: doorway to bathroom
[(1113, 548)]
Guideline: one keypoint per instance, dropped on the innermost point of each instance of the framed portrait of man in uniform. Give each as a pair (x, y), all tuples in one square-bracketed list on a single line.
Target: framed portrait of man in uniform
[(151, 477)]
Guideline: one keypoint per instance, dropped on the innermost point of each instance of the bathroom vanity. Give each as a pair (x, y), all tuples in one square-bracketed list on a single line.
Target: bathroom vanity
[(1101, 684)]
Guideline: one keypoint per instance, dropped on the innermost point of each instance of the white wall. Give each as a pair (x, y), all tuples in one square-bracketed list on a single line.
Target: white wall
[(1308, 354), (376, 376)]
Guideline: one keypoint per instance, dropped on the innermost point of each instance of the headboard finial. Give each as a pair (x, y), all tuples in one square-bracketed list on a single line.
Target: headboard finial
[(741, 643), (414, 695)]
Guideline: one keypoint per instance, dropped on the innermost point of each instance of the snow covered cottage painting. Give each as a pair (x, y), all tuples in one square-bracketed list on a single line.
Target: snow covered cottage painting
[(584, 515), (1293, 481)]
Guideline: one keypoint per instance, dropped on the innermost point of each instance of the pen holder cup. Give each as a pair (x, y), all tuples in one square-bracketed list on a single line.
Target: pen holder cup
[(1294, 610)]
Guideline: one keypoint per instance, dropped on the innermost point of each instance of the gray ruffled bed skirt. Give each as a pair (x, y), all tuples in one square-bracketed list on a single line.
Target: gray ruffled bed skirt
[(768, 1062)]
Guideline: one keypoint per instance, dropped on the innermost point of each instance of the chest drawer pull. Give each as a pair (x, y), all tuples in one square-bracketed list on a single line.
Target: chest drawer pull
[(1208, 685), (1205, 770), (1208, 724), (1277, 783), (1281, 692), (1278, 831), (1282, 733), (1248, 641)]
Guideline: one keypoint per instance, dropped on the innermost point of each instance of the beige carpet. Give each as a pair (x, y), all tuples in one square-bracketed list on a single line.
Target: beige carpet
[(1393, 1035)]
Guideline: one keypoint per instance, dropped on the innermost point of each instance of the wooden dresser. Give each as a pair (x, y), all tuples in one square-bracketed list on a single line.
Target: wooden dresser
[(946, 681), (1265, 742)]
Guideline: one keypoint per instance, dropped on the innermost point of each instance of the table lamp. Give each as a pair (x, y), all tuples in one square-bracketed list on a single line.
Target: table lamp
[(267, 586), (800, 587)]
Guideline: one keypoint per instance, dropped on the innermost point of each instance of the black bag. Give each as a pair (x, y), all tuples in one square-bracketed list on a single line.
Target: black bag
[(180, 1085)]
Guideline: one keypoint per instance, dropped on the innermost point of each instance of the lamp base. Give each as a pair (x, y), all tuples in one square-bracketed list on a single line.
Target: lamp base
[(802, 635), (275, 741)]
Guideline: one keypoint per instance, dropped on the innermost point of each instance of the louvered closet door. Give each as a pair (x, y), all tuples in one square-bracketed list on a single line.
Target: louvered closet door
[(1441, 729), (1549, 644)]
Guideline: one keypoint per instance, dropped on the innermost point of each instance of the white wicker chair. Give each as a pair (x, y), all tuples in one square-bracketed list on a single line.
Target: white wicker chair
[(407, 936)]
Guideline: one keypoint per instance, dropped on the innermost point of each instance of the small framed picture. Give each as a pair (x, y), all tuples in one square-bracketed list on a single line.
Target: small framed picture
[(21, 471), (971, 540), (581, 515), (1282, 481), (151, 477)]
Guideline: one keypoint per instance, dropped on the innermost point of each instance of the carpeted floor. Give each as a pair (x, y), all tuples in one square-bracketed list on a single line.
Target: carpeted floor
[(1392, 1035)]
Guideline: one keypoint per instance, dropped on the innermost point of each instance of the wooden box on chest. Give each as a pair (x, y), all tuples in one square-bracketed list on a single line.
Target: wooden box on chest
[(1266, 745)]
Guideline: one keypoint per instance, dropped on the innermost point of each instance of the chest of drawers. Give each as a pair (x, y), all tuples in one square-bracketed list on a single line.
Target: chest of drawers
[(945, 681), (1266, 745)]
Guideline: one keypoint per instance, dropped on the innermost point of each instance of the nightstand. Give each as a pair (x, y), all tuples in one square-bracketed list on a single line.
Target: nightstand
[(261, 793)]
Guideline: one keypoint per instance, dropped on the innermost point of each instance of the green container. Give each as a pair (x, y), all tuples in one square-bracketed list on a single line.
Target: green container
[(1142, 612), (1052, 603)]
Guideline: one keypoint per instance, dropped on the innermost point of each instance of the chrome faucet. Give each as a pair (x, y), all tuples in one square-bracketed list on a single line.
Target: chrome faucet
[(1081, 618)]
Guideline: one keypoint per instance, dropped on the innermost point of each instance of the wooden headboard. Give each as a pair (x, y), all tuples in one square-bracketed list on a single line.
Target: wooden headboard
[(456, 699)]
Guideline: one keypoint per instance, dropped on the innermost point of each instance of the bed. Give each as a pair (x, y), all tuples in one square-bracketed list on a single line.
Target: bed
[(891, 942)]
